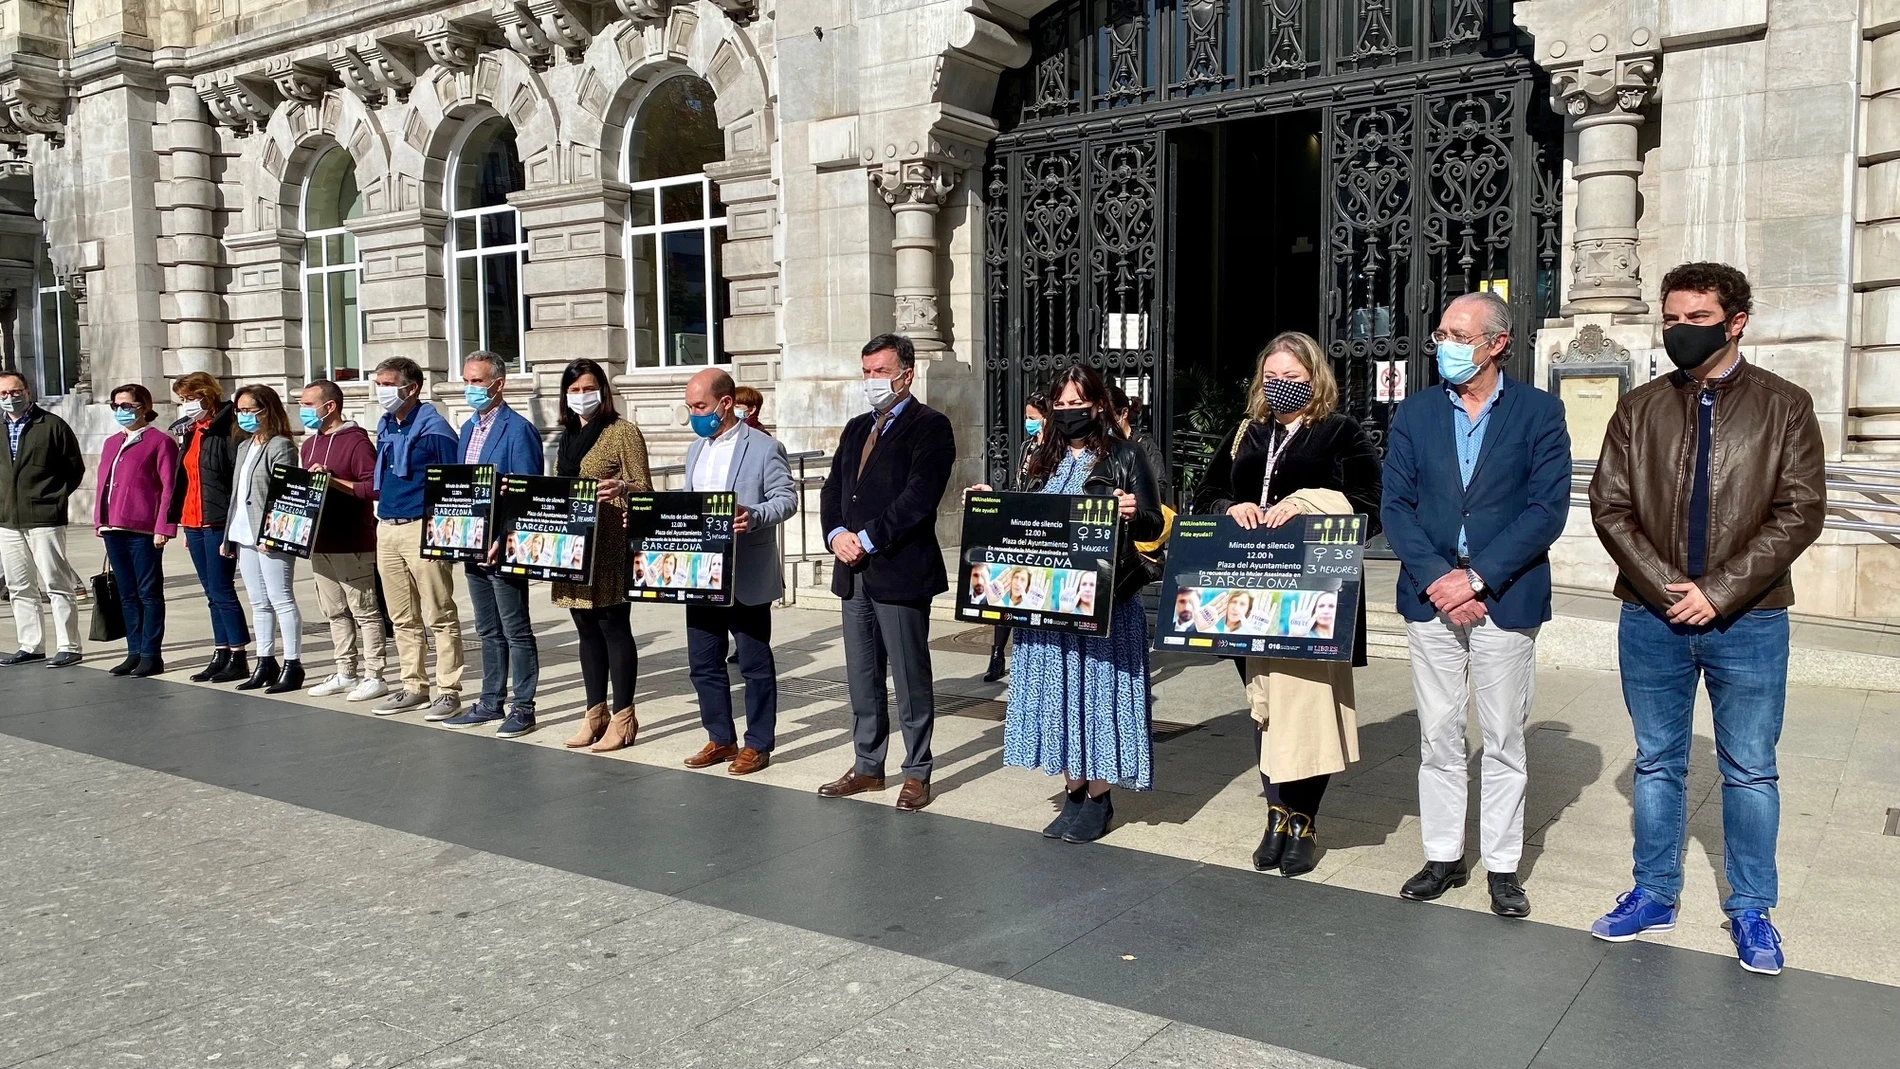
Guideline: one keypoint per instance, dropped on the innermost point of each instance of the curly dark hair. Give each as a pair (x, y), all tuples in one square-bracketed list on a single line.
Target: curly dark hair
[(1729, 285)]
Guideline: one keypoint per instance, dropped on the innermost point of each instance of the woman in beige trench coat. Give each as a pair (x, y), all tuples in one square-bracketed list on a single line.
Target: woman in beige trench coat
[(1296, 455)]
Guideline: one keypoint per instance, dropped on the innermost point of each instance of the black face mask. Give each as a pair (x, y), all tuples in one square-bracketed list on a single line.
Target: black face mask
[(1075, 423), (1690, 346)]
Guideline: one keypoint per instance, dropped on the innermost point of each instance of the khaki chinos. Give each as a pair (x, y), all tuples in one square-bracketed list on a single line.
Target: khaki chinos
[(420, 592)]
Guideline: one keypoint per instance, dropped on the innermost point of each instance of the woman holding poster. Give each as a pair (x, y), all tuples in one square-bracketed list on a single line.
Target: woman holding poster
[(597, 444), (1078, 705), (1292, 455), (1035, 429)]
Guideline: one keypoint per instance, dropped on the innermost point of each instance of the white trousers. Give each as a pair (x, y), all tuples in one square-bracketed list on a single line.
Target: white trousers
[(268, 575), (1448, 664), (37, 572)]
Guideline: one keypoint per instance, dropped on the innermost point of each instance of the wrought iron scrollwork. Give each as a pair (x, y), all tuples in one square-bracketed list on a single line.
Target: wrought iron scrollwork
[(997, 257), (1284, 39), (1371, 325), (1374, 37), (1124, 253), (1124, 77), (1204, 45)]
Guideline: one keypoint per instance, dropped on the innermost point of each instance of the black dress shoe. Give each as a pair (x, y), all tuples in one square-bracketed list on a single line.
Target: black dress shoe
[(21, 657), (1301, 848), (236, 667), (290, 679), (219, 660), (1071, 805), (1507, 895), (1273, 843), (265, 676), (124, 668), (149, 666), (65, 659), (1435, 879)]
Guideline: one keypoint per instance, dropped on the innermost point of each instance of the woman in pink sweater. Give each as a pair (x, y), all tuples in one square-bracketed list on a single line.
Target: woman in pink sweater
[(130, 510)]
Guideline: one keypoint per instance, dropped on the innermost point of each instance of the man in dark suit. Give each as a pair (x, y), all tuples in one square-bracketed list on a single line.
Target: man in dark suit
[(879, 510), (1477, 485)]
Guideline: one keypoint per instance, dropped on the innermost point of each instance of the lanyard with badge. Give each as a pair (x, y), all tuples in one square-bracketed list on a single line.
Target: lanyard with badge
[(1274, 451)]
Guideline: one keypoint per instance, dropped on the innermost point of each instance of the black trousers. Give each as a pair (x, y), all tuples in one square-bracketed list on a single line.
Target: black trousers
[(751, 628), (881, 635), (607, 654)]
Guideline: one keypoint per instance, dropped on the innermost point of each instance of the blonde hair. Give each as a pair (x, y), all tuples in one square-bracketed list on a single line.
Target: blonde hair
[(1305, 349)]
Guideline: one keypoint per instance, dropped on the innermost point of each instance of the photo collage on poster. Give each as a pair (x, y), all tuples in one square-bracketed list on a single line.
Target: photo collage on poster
[(679, 546), (457, 502), (293, 510), (1039, 561), (1288, 591), (546, 526)]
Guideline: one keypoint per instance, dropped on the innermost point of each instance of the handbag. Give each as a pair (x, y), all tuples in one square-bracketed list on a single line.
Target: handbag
[(108, 613)]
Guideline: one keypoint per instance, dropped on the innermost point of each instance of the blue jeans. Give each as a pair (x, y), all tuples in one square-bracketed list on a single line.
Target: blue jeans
[(751, 626), (218, 575), (501, 619), (139, 567), (1744, 662)]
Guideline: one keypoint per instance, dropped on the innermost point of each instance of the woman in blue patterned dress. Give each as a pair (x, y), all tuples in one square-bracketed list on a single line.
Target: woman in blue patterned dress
[(1078, 705)]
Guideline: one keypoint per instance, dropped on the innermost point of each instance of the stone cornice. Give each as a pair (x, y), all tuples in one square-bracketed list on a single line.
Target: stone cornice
[(594, 191), (258, 239)]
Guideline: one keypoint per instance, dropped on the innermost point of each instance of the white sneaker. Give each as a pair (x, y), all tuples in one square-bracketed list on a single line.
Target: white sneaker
[(443, 708), (331, 687), (367, 689), (401, 702)]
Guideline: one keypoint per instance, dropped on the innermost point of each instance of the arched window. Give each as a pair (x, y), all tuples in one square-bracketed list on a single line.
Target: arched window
[(53, 365), (333, 319), (486, 244), (675, 227)]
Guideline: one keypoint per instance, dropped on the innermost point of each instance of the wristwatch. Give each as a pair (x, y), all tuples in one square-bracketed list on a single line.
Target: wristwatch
[(1477, 584)]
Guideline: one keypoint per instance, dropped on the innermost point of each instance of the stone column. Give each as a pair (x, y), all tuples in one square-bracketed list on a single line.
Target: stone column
[(750, 271), (1604, 94), (188, 246), (403, 294), (915, 190), (265, 309), (575, 282)]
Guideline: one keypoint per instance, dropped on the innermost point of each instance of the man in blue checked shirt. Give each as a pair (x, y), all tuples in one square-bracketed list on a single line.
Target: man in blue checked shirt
[(1477, 487)]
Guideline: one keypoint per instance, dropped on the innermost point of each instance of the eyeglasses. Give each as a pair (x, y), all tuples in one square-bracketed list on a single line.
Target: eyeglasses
[(1440, 336), (15, 392), (128, 407)]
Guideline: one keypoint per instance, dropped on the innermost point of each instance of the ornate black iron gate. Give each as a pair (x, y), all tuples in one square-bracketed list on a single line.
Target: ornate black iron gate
[(1439, 160)]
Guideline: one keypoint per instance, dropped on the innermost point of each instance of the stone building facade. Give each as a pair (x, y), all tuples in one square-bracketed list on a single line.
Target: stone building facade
[(276, 190)]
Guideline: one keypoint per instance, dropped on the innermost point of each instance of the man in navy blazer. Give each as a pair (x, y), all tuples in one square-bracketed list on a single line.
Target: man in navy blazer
[(729, 456), (879, 512), (1477, 485), (496, 434)]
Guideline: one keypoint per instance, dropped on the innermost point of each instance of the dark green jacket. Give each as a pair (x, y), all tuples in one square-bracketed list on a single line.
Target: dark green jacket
[(35, 484)]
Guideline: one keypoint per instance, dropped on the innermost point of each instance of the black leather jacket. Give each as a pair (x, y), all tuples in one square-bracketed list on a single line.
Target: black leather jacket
[(1124, 468)]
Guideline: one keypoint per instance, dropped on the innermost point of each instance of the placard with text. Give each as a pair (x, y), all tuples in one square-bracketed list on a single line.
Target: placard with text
[(1040, 561), (1287, 591), (293, 509), (458, 504), (679, 546), (545, 525)]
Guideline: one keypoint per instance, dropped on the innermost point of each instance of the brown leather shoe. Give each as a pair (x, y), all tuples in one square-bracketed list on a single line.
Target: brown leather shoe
[(849, 784), (620, 733), (914, 796), (713, 753), (588, 732), (748, 762)]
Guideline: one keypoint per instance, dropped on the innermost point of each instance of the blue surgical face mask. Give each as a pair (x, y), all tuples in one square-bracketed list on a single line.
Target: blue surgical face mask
[(477, 398), (705, 424), (1032, 427), (247, 422), (1454, 362), (125, 417), (310, 418)]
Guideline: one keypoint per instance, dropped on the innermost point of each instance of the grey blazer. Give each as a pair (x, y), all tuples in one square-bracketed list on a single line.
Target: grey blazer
[(276, 451), (761, 476)]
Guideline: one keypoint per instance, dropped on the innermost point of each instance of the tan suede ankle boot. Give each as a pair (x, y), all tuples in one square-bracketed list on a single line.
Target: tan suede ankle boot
[(588, 731), (621, 729)]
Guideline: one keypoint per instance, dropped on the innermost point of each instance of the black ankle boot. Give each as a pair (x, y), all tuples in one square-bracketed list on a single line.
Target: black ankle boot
[(1273, 843), (1071, 805), (1297, 859), (265, 675), (149, 666), (998, 666), (1091, 819), (219, 662), (125, 667), (291, 679)]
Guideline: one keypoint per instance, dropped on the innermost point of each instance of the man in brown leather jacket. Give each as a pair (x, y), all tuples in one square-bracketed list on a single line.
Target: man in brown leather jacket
[(1711, 483)]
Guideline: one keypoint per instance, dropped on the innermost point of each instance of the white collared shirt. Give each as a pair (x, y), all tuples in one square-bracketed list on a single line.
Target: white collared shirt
[(713, 472)]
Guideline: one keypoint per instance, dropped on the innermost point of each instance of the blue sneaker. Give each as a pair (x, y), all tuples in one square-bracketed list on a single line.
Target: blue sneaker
[(519, 723), (1757, 943), (1635, 913), (473, 715)]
